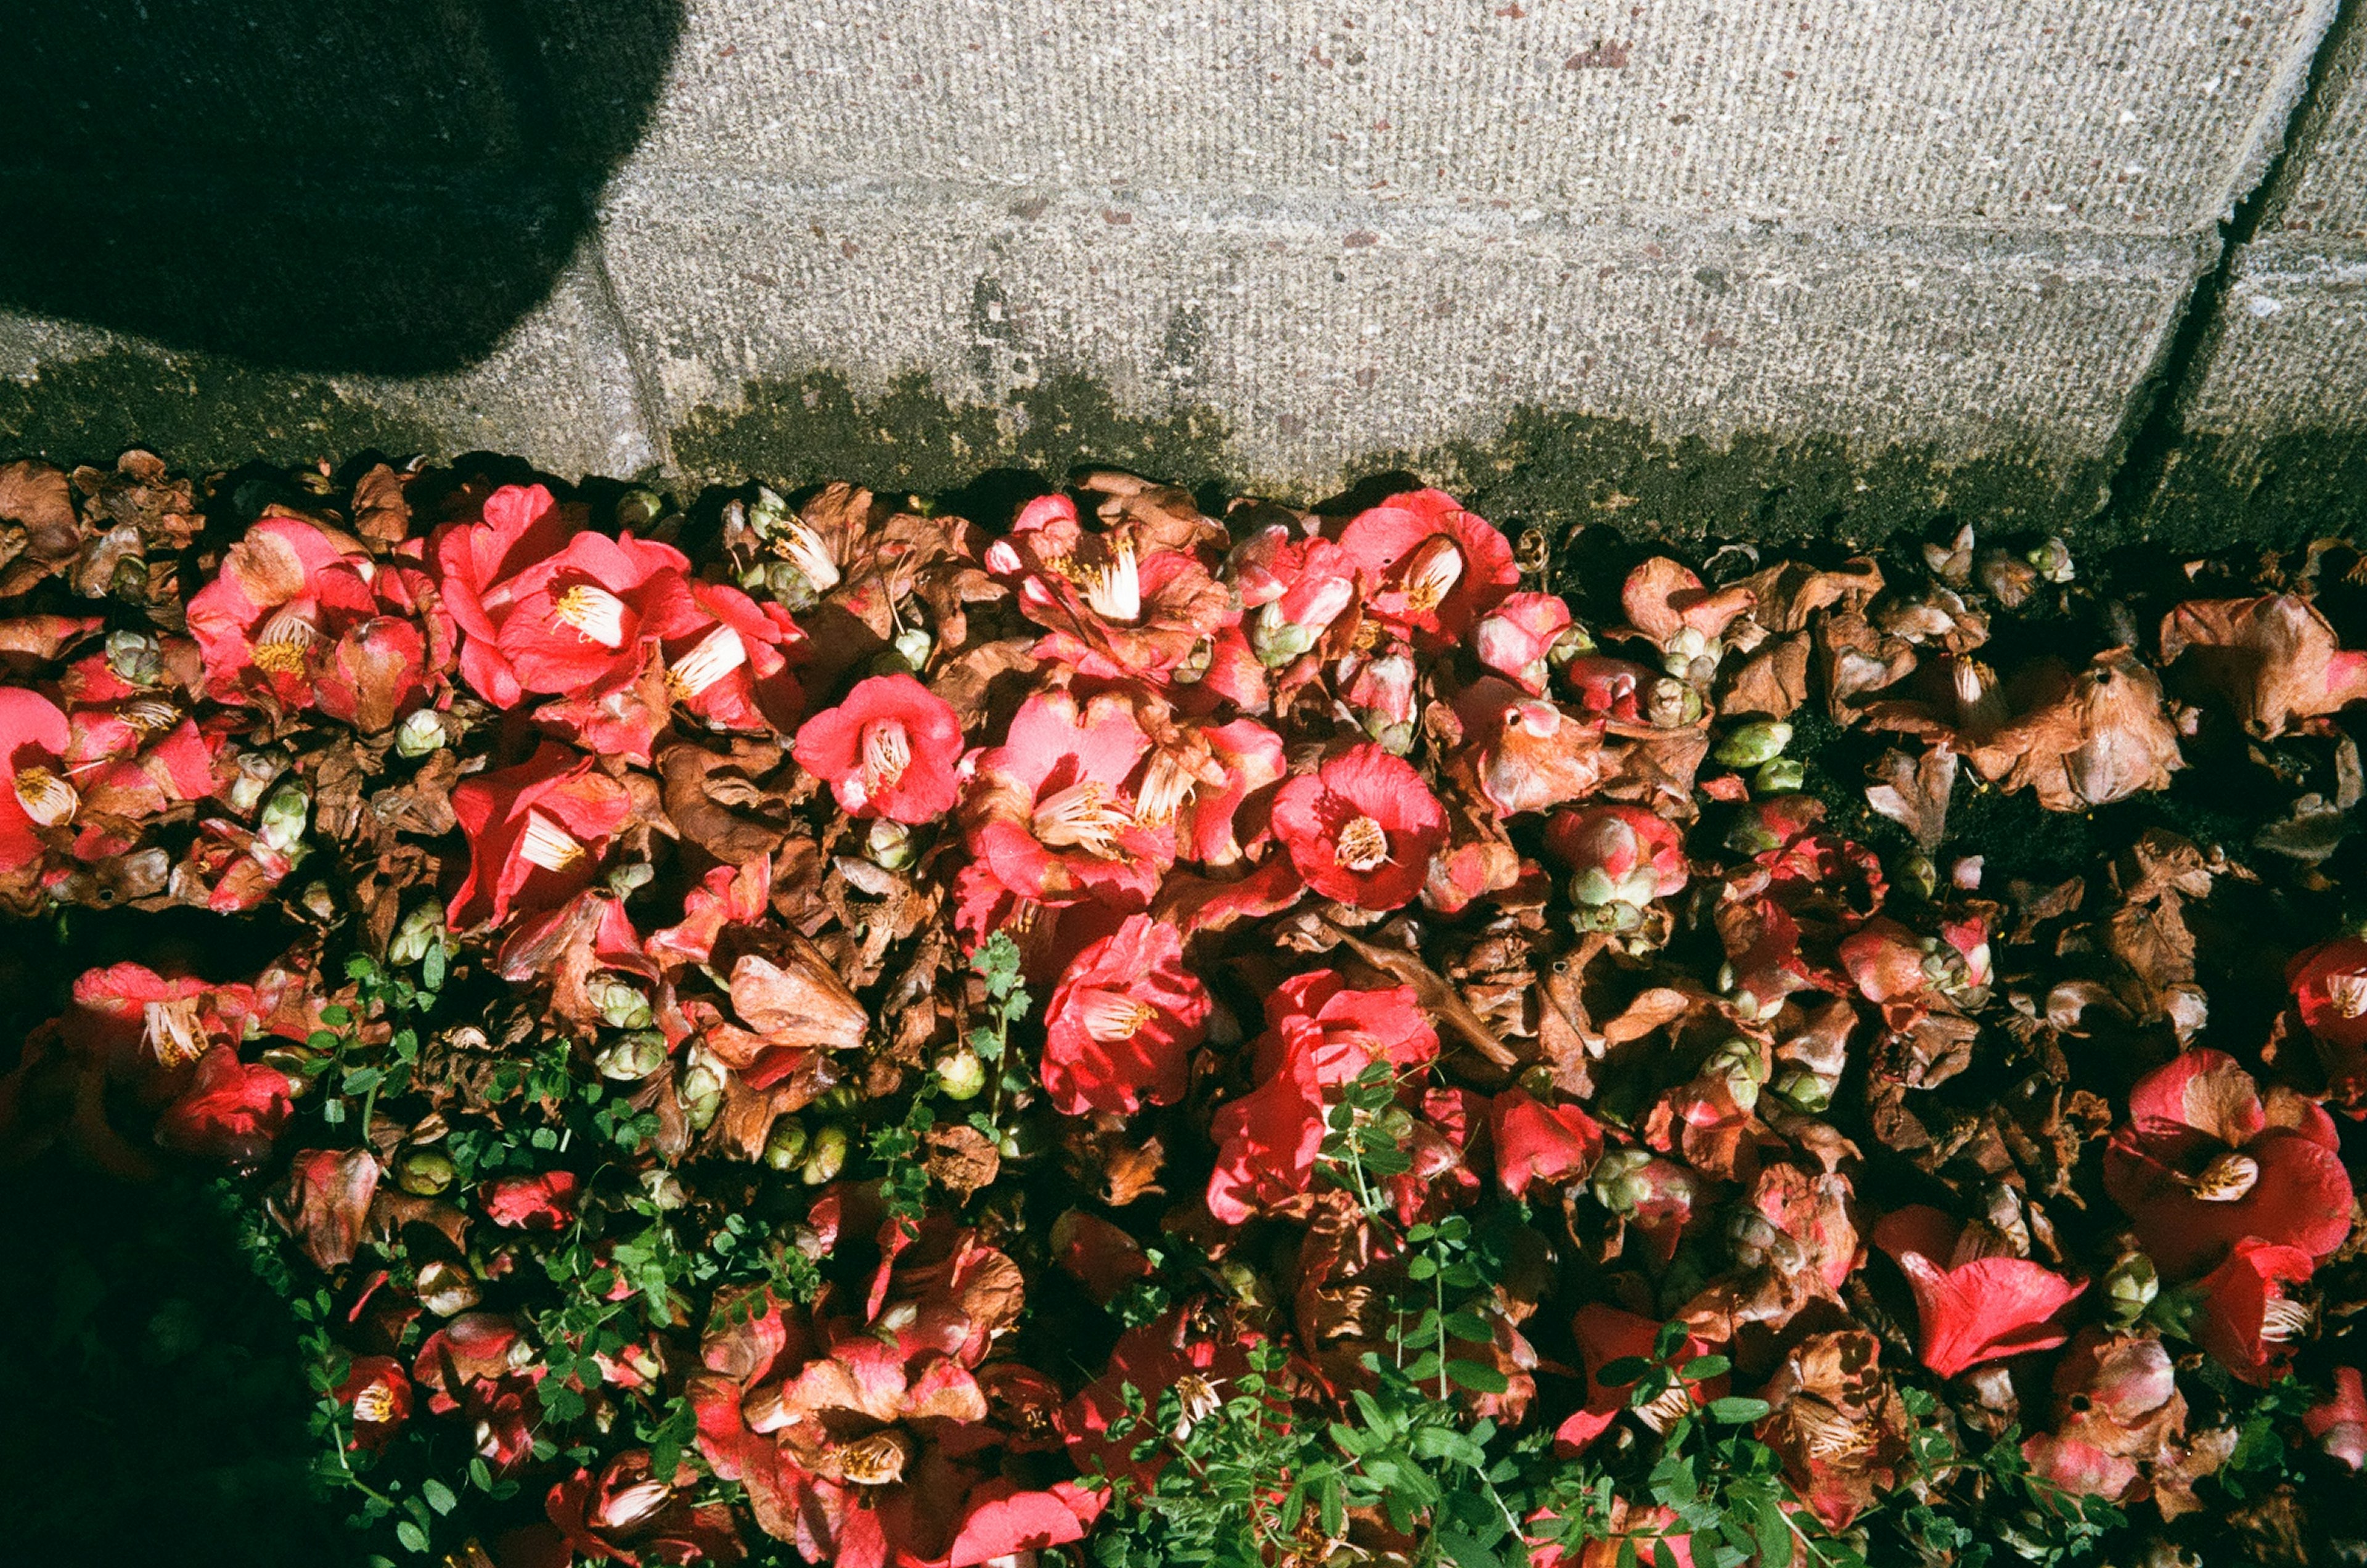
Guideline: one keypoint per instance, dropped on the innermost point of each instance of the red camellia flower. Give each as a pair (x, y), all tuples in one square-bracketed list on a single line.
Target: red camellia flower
[(1516, 638), (2329, 986), (1109, 609), (1606, 1335), (536, 832), (379, 1394), (2202, 1163), (33, 738), (889, 749), (1320, 1035), (1121, 1026), (1620, 859), (1050, 813), (543, 1201), (2248, 1315), (544, 608), (302, 612), (1551, 1144), (1360, 829), (1435, 567), (231, 1113), (2340, 1423), (1298, 588), (1973, 1308), (627, 1514)]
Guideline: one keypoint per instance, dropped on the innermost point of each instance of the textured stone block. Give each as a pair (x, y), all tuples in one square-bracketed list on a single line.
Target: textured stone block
[(2093, 114), (1319, 336), (558, 389)]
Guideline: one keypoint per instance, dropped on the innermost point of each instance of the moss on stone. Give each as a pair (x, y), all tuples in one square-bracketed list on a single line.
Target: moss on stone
[(812, 427), (196, 411)]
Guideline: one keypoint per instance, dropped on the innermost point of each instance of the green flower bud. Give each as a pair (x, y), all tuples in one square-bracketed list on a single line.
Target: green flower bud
[(825, 1157), (421, 731), (622, 1006), (136, 658), (888, 845), (421, 929), (129, 582), (1748, 746), (960, 1074), (913, 646), (1574, 642), (1806, 1090), (701, 1091), (639, 508), (1616, 1179), (1781, 776), (634, 1057), (1916, 871), (840, 1098), (663, 1189), (1671, 705), (785, 1148), (423, 1173), (631, 877), (2131, 1285), (284, 816), (2052, 560)]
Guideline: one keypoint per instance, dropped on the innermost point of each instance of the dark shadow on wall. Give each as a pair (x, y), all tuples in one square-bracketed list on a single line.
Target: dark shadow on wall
[(379, 187)]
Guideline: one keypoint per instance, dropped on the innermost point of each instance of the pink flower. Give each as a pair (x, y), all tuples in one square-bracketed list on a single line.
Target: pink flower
[(2339, 1422), (1606, 1335), (231, 1113), (1516, 638), (889, 749), (1110, 611), (544, 609), (1552, 1143), (1051, 811), (1435, 567), (1360, 829), (1121, 1026), (305, 617), (2329, 986), (535, 833), (1973, 1308), (2203, 1164), (34, 792), (1299, 589), (1620, 857), (379, 1394), (1320, 1035), (541, 1202), (2248, 1315)]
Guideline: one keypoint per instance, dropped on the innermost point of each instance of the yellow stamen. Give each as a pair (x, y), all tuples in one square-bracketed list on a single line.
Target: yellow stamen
[(1363, 845), (593, 612), (1111, 1017), (875, 1461), (172, 1033), (285, 643), (545, 843), (46, 798), (1114, 588), (1431, 573), (717, 654), (886, 752), (804, 549), (2225, 1179), (375, 1404), (1084, 815), (1166, 786), (2283, 1320)]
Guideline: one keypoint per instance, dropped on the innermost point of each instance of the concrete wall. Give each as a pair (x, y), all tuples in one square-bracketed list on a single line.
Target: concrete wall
[(1922, 239)]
